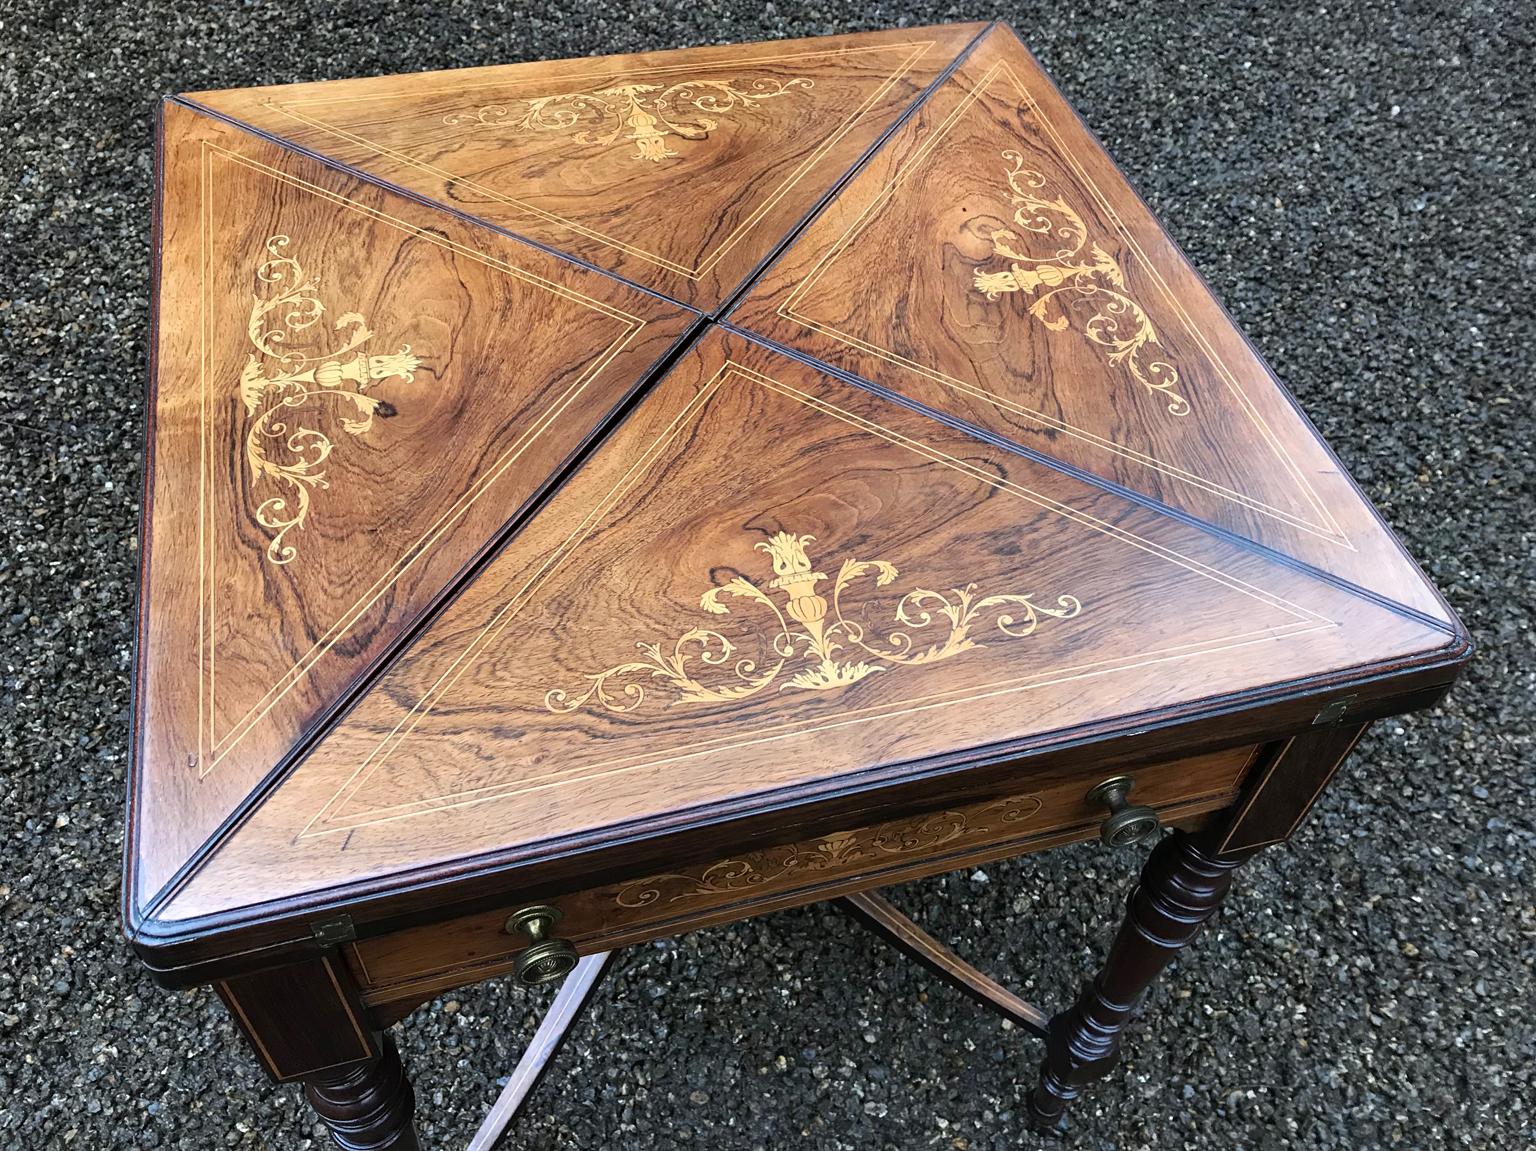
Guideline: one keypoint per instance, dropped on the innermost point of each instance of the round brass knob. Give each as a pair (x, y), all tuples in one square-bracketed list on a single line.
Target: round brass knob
[(545, 958), (1126, 824)]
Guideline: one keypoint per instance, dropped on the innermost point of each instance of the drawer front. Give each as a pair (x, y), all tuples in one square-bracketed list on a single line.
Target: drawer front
[(1055, 811)]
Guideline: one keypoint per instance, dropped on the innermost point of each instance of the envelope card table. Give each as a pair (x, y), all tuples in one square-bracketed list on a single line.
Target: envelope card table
[(589, 501)]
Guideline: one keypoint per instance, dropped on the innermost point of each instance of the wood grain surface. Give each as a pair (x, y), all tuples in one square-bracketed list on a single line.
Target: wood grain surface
[(992, 264), (679, 170), (638, 650), (351, 401), (478, 568)]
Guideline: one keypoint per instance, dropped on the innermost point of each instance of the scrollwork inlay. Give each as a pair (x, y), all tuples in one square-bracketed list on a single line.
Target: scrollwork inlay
[(813, 644), (835, 852), (1071, 281), (278, 382), (646, 115)]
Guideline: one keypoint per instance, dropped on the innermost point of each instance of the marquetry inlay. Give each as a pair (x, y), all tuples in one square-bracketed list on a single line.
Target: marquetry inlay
[(354, 805), (548, 460), (283, 386), (305, 366), (493, 141), (843, 849), (813, 643), (1071, 282), (1095, 298), (646, 115)]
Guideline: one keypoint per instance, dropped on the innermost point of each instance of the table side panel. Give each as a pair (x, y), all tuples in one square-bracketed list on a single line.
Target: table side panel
[(1287, 785), (320, 992), (940, 840)]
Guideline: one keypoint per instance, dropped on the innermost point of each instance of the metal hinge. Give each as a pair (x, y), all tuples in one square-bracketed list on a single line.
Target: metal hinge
[(331, 932), (1334, 711)]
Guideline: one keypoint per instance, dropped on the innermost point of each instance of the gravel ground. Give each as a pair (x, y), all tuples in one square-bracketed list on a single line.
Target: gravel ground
[(1357, 183)]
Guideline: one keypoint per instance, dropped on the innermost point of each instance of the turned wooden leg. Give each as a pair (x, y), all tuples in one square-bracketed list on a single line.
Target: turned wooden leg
[(306, 1022), (368, 1106), (1181, 887)]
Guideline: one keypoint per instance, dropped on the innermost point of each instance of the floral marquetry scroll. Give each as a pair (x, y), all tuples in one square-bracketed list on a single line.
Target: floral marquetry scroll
[(1073, 282), (843, 850), (814, 645), (646, 115), (281, 386)]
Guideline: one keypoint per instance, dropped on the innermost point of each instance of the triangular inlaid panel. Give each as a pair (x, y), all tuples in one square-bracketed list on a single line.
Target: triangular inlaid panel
[(350, 403), (991, 263), (679, 170), (768, 579)]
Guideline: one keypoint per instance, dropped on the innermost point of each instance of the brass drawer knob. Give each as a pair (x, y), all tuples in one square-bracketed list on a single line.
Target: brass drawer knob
[(545, 958), (1127, 824)]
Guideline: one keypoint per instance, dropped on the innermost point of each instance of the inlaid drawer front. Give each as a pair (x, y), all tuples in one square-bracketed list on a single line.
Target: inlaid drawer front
[(903, 848), (864, 848)]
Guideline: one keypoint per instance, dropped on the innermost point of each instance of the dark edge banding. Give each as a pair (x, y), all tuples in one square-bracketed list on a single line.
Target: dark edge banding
[(484, 865), (136, 705)]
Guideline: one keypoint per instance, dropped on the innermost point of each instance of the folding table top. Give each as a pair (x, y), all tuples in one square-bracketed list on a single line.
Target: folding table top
[(555, 455)]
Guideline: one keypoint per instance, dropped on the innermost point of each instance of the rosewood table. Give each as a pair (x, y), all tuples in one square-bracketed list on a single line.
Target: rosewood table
[(588, 501)]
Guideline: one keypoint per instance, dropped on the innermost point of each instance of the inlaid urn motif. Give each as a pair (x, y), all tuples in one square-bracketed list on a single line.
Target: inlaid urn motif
[(815, 646), (646, 115), (280, 383), (1071, 282)]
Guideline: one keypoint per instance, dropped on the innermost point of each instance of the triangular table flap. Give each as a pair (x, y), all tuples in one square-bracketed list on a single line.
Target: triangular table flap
[(764, 579), (680, 170), (991, 263), (352, 395)]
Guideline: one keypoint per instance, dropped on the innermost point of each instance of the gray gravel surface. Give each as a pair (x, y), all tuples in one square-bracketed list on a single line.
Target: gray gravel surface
[(1355, 179)]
